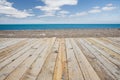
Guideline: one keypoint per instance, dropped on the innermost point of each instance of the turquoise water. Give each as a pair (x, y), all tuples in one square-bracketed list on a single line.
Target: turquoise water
[(55, 26)]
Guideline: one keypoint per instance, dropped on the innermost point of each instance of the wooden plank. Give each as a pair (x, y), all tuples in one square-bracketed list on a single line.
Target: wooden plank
[(106, 55), (6, 40), (110, 66), (9, 50), (108, 46), (74, 70), (9, 43), (23, 67), (14, 52), (107, 40), (9, 68), (47, 70), (16, 56), (3, 40), (75, 59), (117, 40), (60, 72), (33, 71), (64, 62), (58, 66), (3, 45), (101, 70), (85, 66), (12, 43), (107, 50)]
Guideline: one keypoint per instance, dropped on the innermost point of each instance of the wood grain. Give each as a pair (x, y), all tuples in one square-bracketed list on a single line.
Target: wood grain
[(60, 58)]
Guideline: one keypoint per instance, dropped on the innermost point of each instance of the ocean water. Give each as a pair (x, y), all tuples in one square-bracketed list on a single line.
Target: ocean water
[(55, 26)]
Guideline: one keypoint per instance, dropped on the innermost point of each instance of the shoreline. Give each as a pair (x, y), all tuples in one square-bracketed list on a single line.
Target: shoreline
[(62, 29), (108, 32)]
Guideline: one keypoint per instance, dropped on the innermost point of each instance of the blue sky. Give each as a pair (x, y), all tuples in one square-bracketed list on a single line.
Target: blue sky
[(59, 11)]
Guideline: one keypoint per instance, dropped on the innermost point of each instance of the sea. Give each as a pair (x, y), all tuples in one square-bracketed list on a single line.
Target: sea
[(56, 26)]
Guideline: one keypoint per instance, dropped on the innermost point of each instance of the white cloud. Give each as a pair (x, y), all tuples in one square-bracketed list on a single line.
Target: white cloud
[(55, 5), (108, 7), (47, 8), (62, 13), (7, 9), (110, 4), (53, 8), (47, 14), (96, 7), (94, 11), (79, 14)]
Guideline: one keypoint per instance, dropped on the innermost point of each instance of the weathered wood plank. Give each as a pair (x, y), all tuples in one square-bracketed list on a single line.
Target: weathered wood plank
[(4, 45), (112, 59), (9, 50), (60, 72), (47, 70), (21, 69), (101, 70), (107, 50), (15, 51), (117, 40), (9, 68), (3, 40), (117, 50), (58, 66), (107, 40), (74, 70), (85, 66), (64, 62), (60, 59), (33, 71), (110, 66), (16, 56)]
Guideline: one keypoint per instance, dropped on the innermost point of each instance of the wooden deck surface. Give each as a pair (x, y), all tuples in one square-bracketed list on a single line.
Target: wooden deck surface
[(60, 58)]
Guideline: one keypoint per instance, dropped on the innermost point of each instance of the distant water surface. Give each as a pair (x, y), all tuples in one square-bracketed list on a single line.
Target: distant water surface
[(55, 26)]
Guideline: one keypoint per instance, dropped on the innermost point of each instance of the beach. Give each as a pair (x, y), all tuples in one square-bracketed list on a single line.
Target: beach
[(63, 33)]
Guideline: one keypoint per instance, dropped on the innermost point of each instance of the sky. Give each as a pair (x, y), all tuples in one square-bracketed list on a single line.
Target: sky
[(59, 12)]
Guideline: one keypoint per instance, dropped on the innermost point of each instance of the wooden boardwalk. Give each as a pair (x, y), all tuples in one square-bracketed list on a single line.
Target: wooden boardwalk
[(60, 58)]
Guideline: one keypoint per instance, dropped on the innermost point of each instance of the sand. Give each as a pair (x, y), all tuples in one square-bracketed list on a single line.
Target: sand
[(60, 33)]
